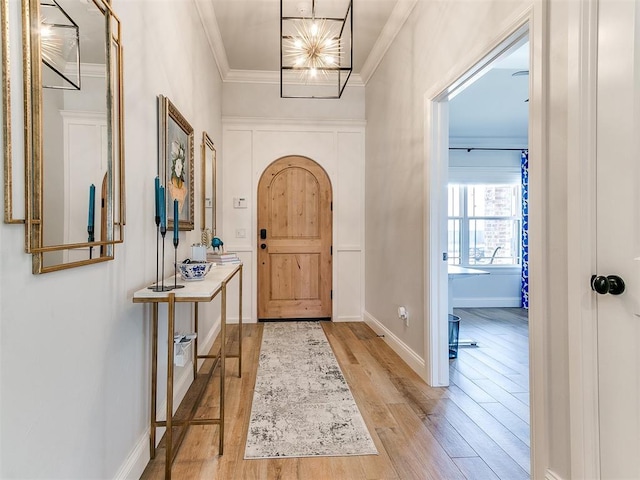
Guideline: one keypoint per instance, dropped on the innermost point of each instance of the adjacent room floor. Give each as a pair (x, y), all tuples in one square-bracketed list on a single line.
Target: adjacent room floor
[(478, 428)]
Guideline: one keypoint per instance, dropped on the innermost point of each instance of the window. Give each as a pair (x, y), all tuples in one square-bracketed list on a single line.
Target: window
[(484, 224)]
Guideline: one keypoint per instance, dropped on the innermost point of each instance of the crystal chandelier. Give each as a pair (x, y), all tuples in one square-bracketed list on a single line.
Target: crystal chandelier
[(315, 49)]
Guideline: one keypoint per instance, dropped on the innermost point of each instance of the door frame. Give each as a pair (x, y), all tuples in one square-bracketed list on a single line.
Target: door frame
[(534, 23)]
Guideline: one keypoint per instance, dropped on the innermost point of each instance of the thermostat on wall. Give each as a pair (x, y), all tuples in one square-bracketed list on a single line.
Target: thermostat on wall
[(239, 202)]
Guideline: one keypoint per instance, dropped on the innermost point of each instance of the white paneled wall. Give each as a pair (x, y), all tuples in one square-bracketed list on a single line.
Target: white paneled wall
[(249, 147)]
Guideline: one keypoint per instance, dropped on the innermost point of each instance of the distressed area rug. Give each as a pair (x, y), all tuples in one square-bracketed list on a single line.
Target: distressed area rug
[(302, 405)]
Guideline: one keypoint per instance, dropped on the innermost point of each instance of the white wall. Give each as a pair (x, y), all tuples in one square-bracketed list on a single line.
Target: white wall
[(249, 147), (439, 42), (259, 128), (427, 51), (75, 350)]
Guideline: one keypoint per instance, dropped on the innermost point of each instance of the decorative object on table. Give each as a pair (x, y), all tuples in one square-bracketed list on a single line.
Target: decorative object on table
[(315, 51), (206, 236), (176, 165), (92, 217), (190, 271), (199, 253), (161, 219), (302, 405), (223, 258), (217, 244)]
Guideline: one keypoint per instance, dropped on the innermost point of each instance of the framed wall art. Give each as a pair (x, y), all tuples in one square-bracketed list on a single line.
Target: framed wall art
[(208, 188), (176, 163)]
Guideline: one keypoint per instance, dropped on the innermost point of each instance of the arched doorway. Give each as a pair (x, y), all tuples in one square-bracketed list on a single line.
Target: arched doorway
[(294, 240)]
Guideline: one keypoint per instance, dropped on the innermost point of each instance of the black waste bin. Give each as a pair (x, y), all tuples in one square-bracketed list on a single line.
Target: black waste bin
[(454, 331)]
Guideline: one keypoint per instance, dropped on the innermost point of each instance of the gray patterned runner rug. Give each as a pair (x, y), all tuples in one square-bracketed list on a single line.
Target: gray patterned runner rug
[(302, 405)]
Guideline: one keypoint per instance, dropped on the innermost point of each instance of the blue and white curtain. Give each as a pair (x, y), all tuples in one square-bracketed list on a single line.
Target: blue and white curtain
[(524, 284)]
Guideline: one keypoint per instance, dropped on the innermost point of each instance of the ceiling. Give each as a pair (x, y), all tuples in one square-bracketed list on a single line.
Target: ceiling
[(244, 35), (249, 30), (494, 106)]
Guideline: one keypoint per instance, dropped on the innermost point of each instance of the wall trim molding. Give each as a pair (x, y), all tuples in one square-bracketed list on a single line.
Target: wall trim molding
[(270, 77), (582, 316), (411, 358), (284, 124), (347, 318), (389, 32), (550, 475), (137, 460), (214, 37)]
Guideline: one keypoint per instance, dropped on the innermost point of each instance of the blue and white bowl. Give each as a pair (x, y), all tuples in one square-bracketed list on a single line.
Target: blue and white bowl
[(194, 271)]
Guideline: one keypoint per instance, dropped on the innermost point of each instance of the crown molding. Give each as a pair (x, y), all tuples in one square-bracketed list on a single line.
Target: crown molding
[(212, 31), (273, 78), (95, 70), (389, 32)]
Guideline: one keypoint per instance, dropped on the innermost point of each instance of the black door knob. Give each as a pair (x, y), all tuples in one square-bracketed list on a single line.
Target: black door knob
[(263, 246), (612, 284)]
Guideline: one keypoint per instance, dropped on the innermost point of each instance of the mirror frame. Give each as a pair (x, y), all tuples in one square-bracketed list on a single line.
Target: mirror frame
[(7, 131), (34, 149), (208, 148)]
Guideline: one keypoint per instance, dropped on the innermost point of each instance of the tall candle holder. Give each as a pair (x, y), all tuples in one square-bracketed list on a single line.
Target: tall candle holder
[(175, 262), (91, 238), (161, 226), (91, 219)]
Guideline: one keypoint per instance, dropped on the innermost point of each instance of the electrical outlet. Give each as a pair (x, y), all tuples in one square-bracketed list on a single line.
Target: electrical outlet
[(403, 315)]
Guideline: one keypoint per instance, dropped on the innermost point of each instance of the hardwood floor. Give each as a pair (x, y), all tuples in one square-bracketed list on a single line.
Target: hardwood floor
[(478, 428)]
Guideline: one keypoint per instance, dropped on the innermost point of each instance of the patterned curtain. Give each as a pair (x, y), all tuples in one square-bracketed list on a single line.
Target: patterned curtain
[(524, 284)]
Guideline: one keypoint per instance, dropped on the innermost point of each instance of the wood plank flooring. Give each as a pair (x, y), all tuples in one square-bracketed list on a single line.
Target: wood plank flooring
[(478, 428)]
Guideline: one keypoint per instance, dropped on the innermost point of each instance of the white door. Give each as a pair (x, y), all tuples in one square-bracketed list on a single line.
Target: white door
[(618, 236)]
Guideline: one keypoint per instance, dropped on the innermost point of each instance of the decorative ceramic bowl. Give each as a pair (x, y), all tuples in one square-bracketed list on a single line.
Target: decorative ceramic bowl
[(194, 271)]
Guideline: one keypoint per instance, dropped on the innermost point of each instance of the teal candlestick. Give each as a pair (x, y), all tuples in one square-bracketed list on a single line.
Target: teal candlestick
[(163, 212), (175, 221), (157, 199), (92, 202)]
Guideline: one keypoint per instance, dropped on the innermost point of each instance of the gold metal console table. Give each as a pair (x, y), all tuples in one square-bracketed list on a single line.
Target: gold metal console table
[(200, 291)]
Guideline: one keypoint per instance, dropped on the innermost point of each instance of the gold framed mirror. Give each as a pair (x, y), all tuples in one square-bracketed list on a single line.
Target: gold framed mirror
[(12, 119), (74, 117), (208, 185)]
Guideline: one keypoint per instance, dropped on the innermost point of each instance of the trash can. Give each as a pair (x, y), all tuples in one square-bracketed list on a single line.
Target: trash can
[(454, 331)]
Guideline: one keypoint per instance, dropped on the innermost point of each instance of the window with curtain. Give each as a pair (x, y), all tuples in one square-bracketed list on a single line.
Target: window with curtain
[(484, 224)]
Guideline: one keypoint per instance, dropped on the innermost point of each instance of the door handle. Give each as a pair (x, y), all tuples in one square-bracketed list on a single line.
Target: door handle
[(263, 246), (612, 284)]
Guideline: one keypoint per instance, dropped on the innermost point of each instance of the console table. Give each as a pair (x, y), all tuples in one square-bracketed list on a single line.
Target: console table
[(214, 284)]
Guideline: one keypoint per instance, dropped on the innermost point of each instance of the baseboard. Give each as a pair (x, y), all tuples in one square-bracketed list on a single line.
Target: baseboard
[(347, 319), (490, 302), (410, 357), (234, 320), (549, 475), (137, 460), (139, 457)]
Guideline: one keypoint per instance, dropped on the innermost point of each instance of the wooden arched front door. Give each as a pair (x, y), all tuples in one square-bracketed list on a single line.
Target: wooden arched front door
[(294, 240)]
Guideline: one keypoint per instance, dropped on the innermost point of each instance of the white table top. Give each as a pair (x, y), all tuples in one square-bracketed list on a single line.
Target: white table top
[(458, 270), (193, 291)]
